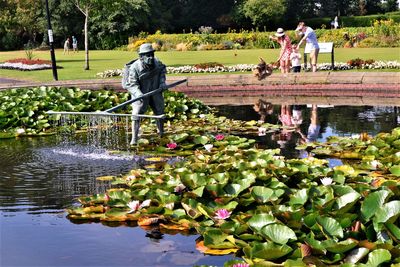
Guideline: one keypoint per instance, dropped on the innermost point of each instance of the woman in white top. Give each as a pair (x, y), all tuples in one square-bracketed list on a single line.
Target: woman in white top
[(311, 38)]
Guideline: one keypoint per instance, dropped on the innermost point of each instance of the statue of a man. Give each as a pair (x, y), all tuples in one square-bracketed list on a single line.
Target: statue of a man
[(142, 76)]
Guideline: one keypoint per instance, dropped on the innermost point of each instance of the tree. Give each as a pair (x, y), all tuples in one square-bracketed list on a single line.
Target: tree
[(263, 12), (20, 22), (112, 26), (390, 5)]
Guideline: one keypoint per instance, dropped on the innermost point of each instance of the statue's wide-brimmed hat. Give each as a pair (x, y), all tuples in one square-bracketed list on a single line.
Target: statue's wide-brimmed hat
[(146, 48), (279, 32)]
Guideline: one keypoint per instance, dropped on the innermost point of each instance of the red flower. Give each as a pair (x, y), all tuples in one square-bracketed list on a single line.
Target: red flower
[(172, 145), (219, 137)]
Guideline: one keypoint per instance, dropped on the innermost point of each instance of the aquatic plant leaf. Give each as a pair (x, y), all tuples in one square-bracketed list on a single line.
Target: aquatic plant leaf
[(115, 214), (316, 245), (258, 221), (190, 209), (330, 226), (214, 251), (387, 212), (377, 257), (261, 194), (347, 201), (216, 190), (105, 178), (194, 180), (267, 250), (345, 169), (341, 190), (373, 202), (395, 170), (201, 140), (342, 246), (229, 227), (199, 191), (300, 197), (394, 231), (233, 189), (356, 255), (278, 233), (214, 236)]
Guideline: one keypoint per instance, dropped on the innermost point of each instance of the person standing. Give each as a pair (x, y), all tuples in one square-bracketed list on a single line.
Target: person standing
[(308, 35), (336, 22), (74, 44), (286, 49), (295, 58), (67, 43), (142, 76)]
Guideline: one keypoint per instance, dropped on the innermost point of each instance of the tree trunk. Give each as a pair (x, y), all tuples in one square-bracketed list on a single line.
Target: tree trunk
[(86, 40)]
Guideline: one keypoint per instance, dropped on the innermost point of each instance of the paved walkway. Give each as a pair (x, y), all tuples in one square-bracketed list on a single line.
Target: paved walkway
[(362, 87)]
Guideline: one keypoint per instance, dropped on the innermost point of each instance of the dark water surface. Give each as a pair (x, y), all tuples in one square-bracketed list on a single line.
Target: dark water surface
[(39, 179)]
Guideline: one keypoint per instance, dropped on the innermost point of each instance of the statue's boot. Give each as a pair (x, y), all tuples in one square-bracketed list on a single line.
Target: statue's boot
[(160, 127), (135, 131)]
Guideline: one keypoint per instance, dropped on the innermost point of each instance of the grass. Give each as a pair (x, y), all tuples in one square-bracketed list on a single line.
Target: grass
[(100, 60)]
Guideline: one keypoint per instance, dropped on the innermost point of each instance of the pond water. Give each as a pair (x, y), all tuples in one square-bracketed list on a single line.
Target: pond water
[(39, 178)]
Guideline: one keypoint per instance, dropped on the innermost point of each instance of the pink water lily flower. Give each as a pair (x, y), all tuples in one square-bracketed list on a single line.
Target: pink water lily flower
[(172, 145), (133, 205), (222, 214), (242, 264), (219, 137)]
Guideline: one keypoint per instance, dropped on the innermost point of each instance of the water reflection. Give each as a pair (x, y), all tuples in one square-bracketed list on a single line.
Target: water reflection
[(304, 123)]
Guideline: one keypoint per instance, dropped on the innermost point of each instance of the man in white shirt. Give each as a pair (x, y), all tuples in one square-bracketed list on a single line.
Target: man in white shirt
[(311, 38)]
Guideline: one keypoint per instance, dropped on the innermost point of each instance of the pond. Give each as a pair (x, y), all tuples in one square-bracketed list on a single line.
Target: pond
[(39, 178)]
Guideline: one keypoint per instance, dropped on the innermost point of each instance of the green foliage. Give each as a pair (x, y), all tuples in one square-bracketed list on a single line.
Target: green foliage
[(381, 34), (25, 108)]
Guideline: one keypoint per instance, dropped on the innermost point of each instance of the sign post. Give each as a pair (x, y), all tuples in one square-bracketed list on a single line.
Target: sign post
[(51, 40), (323, 48)]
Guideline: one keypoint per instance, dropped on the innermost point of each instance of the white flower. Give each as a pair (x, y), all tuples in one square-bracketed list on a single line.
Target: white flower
[(262, 131), (20, 131), (326, 181), (133, 205), (131, 178), (208, 147), (170, 205), (355, 136), (375, 164), (145, 203), (202, 116)]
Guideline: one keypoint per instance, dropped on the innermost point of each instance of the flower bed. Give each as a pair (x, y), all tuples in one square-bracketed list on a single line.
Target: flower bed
[(26, 64), (250, 67)]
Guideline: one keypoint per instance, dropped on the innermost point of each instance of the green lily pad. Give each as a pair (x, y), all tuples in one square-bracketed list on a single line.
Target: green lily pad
[(261, 194), (395, 170), (342, 246), (388, 211), (330, 226), (373, 202), (258, 221), (267, 251), (278, 233), (377, 257)]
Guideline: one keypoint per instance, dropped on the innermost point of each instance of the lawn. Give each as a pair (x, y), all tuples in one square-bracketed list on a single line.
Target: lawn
[(100, 60)]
